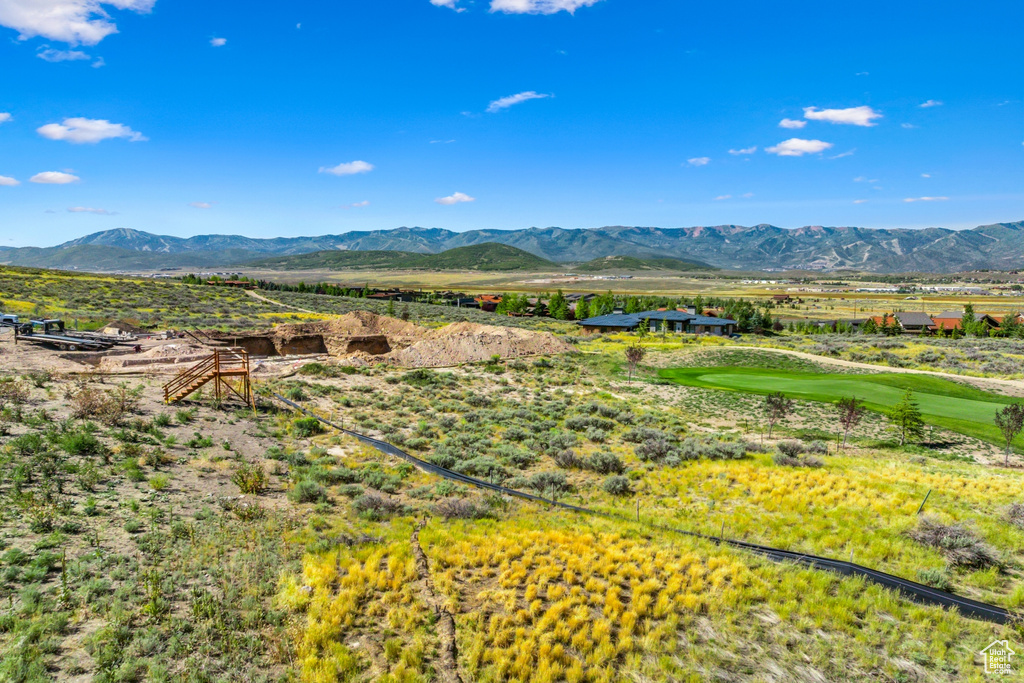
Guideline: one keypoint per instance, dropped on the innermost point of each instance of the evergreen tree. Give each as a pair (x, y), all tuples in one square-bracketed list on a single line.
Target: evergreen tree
[(582, 309), (391, 308), (558, 306), (906, 416), (967, 323)]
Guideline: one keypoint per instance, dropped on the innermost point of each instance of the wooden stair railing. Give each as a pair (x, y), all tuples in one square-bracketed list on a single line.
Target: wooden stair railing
[(222, 366)]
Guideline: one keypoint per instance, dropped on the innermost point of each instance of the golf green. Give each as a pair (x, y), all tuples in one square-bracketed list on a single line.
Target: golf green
[(942, 403)]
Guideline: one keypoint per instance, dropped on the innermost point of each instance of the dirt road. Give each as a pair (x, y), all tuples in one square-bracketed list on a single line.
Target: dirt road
[(264, 299)]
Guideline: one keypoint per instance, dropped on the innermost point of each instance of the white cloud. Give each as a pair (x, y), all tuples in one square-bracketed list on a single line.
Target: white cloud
[(201, 205), (51, 55), (506, 102), (7, 181), (539, 6), (441, 142), (747, 195), (864, 179), (844, 154), (99, 63), (219, 42), (456, 198), (930, 103), (792, 123), (925, 199), (853, 116), (69, 21), (5, 117), (745, 150), (908, 126), (81, 131), (54, 178), (87, 209), (350, 168), (699, 161), (796, 147), (357, 205), (723, 196), (860, 201), (450, 4), (926, 175)]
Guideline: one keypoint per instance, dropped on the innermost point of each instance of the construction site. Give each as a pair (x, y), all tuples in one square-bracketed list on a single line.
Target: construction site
[(194, 358)]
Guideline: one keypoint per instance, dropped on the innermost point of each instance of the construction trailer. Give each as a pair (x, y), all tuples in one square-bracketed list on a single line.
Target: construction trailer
[(52, 333)]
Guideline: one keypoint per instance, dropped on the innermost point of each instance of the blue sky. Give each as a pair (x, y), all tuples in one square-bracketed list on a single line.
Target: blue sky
[(180, 117)]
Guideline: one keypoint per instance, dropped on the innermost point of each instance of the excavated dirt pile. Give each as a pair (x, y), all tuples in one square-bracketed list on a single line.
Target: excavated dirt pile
[(470, 342), (357, 332)]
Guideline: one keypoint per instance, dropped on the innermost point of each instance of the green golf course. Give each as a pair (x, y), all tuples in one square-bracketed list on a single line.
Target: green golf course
[(943, 403)]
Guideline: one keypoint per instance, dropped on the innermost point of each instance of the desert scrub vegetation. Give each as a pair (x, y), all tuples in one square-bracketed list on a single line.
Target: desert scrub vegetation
[(567, 599), (93, 299), (113, 564)]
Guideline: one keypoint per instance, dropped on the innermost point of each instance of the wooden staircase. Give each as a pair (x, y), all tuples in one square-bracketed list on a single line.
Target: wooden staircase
[(227, 368)]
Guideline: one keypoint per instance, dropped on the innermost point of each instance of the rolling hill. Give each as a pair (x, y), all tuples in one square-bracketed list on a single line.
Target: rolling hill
[(634, 264), (999, 246), (488, 256)]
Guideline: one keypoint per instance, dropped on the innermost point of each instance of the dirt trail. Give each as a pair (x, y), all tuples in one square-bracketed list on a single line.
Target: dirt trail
[(264, 299), (1014, 387), (449, 664)]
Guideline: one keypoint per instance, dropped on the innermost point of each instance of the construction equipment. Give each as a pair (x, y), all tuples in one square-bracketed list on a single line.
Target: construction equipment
[(52, 333), (227, 368)]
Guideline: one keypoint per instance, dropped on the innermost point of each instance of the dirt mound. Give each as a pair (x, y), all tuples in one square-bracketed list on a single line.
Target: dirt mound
[(471, 342), (366, 324)]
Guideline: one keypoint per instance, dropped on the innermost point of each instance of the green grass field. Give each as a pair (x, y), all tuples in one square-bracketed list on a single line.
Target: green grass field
[(943, 403)]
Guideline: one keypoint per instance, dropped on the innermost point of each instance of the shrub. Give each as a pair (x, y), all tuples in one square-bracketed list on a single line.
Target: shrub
[(296, 394), (789, 449), (1015, 514), (250, 479), (376, 506), (545, 483), (159, 482), (162, 420), (459, 508), (307, 427), (81, 443), (88, 477), (568, 459), (656, 448), (28, 444), (960, 546), (307, 491), (184, 417), (605, 463), (382, 481), (935, 578), (516, 433), (617, 485)]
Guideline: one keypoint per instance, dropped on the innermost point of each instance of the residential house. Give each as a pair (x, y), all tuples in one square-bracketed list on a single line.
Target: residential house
[(952, 320), (914, 322), (488, 302), (677, 321)]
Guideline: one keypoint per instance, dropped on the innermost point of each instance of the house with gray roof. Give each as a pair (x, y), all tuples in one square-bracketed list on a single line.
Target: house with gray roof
[(915, 322), (675, 320)]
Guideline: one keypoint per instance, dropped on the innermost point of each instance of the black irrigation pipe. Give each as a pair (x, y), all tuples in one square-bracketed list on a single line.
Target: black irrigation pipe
[(916, 592)]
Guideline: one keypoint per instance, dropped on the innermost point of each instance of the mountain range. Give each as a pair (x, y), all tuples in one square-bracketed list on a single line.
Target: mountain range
[(999, 246)]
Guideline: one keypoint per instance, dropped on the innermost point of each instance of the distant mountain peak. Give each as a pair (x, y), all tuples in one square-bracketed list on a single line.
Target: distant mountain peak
[(814, 247)]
